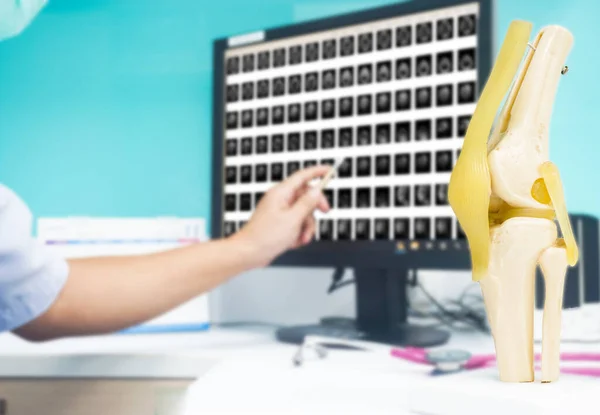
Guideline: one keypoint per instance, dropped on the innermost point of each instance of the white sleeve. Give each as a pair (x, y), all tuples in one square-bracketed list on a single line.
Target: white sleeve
[(31, 277)]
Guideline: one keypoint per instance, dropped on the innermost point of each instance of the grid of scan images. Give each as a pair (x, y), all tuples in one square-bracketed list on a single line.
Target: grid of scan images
[(393, 97)]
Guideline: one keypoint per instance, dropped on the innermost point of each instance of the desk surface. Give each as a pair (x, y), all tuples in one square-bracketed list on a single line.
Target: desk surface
[(254, 374)]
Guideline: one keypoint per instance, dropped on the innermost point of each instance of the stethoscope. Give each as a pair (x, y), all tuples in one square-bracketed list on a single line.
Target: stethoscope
[(441, 361)]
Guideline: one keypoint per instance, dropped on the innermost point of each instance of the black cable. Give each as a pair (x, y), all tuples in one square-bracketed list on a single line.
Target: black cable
[(336, 280)]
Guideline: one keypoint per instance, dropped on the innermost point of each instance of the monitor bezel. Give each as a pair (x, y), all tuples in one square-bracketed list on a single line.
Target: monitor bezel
[(355, 253)]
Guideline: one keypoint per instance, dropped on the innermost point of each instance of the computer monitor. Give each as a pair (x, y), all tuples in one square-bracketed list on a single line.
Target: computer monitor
[(391, 89)]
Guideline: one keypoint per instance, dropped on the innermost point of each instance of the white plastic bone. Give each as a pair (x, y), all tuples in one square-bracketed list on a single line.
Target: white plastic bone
[(518, 146), (553, 263), (508, 292)]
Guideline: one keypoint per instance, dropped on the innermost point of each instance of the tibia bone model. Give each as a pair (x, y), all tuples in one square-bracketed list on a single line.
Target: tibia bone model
[(508, 196)]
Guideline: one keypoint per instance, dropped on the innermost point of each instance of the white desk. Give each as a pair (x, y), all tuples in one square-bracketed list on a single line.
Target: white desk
[(251, 373)]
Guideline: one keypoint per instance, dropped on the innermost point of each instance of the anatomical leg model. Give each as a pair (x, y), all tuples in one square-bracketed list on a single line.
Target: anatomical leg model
[(508, 197)]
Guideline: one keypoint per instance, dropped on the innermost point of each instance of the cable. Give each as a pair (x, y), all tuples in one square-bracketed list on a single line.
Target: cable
[(336, 280)]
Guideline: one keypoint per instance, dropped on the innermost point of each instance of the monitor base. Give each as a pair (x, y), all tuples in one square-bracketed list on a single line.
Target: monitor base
[(404, 336)]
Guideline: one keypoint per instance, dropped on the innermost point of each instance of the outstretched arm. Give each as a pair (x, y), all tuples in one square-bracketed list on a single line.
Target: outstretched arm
[(111, 293)]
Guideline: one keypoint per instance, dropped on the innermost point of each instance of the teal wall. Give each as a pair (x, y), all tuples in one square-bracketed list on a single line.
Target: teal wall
[(105, 105)]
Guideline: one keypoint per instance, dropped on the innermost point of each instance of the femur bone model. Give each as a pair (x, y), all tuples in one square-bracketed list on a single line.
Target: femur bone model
[(508, 197)]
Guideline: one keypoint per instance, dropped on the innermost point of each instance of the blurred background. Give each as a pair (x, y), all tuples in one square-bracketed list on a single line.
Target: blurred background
[(105, 105)]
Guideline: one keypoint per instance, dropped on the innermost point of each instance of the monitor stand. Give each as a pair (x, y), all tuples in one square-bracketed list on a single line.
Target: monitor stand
[(381, 314)]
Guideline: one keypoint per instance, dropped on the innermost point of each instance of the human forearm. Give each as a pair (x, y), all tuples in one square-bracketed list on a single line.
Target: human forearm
[(107, 294)]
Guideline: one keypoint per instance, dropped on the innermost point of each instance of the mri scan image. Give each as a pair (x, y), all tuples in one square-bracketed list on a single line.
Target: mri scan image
[(233, 65), (278, 86), (363, 134), (246, 174), (262, 144), (384, 71), (422, 195), (293, 113), (441, 194), (365, 74), (231, 147), (424, 32), (276, 172), (467, 25), (261, 173), (262, 89), (309, 163), (327, 139), (382, 165), (277, 143), (382, 229), (445, 29), (422, 227), (232, 120), (293, 142), (328, 108), (346, 107), (264, 60), (443, 228), (329, 49), (345, 169), (423, 95), (347, 46), (229, 228), (233, 93), (277, 114), (344, 198), (466, 92), (403, 99), (403, 69), (383, 102), (365, 42), (423, 162), (382, 197), (423, 65), (328, 81), (245, 202), (403, 36), (402, 196), (346, 76), (326, 229), (231, 174), (384, 39), (363, 229), (364, 104), (423, 130), (443, 161), (247, 118), (383, 134), (401, 228), (310, 111), (402, 163), (246, 146), (344, 229), (363, 197), (247, 91), (295, 55), (311, 82), (248, 63), (262, 116), (443, 128), (295, 84), (466, 59), (443, 95), (445, 63), (310, 140), (279, 57), (292, 167), (230, 202), (345, 137), (312, 52), (363, 166)]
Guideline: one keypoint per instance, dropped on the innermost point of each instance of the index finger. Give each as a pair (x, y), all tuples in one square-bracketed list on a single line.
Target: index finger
[(302, 177)]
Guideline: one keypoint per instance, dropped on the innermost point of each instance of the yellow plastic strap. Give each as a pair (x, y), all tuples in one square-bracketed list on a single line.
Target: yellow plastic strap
[(554, 186), (470, 183)]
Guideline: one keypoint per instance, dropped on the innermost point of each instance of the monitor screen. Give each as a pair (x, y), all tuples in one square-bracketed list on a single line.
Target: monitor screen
[(392, 95)]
